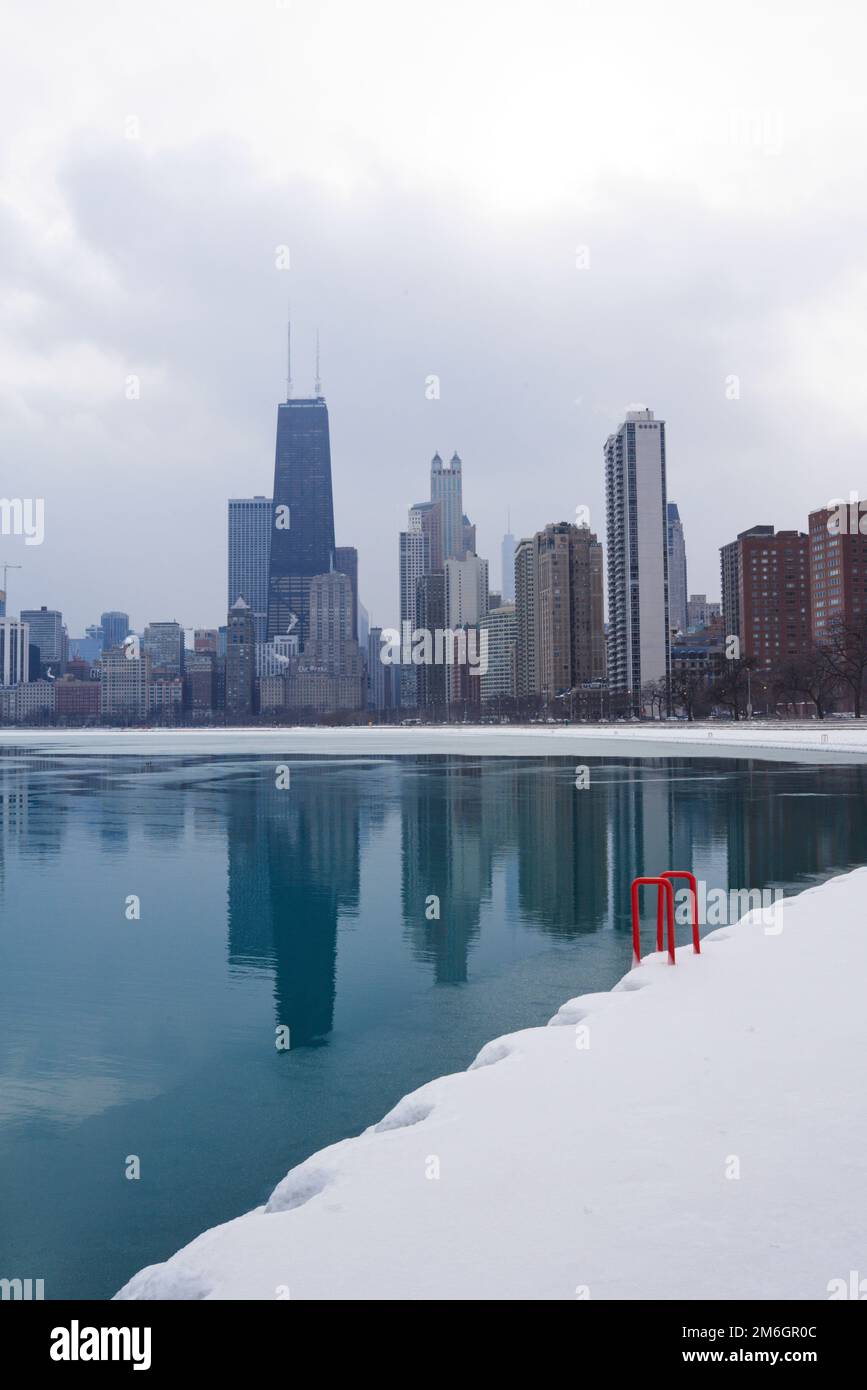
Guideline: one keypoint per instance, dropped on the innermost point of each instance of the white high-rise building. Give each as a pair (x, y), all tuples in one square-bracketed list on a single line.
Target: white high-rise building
[(466, 591), (635, 494), (501, 625), (250, 557), (414, 562), (14, 651)]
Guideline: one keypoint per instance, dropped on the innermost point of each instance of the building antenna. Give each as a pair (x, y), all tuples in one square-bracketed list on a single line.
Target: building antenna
[(317, 384), (508, 521), (289, 355)]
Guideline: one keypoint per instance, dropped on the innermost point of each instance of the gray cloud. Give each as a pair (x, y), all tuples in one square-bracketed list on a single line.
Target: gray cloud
[(163, 266)]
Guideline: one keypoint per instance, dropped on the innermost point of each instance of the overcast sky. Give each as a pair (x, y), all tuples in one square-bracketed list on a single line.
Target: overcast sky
[(433, 170)]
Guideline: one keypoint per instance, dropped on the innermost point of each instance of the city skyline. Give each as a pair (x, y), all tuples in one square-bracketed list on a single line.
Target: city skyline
[(376, 578), (545, 280)]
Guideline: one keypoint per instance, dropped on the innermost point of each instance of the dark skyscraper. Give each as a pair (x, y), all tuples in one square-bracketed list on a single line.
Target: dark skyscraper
[(115, 626), (240, 659), (302, 538)]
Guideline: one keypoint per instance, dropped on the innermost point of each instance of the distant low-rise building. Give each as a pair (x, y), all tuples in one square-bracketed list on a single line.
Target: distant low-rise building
[(76, 699), (200, 682), (166, 697), (124, 685), (164, 643), (700, 613), (700, 654), (34, 701), (272, 694)]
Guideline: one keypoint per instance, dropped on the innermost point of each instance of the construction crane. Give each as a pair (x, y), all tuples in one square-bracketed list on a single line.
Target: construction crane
[(6, 569)]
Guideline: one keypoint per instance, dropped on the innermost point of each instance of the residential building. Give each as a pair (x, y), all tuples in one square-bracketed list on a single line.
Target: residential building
[(773, 607), (730, 579), (501, 626), (838, 570), (526, 608), (14, 651), (636, 505), (76, 699), (570, 624), (124, 686), (427, 518), (166, 698), (466, 591), (414, 561)]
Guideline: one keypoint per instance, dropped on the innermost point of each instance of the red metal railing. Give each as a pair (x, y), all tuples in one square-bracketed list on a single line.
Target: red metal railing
[(664, 892), (685, 873), (664, 903)]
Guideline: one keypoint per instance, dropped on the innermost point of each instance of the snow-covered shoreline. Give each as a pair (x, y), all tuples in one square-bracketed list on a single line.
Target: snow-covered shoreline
[(698, 1132), (843, 741)]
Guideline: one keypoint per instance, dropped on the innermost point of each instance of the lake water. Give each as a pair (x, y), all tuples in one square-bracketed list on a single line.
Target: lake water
[(305, 908)]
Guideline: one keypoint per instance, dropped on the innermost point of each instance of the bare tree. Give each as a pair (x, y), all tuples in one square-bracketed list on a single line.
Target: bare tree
[(733, 683), (844, 653), (690, 689), (654, 695), (809, 675)]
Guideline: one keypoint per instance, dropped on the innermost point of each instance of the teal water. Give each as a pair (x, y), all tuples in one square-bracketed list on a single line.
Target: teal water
[(305, 907)]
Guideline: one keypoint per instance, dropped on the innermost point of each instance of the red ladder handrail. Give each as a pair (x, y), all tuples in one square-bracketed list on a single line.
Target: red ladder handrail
[(683, 873), (664, 892)]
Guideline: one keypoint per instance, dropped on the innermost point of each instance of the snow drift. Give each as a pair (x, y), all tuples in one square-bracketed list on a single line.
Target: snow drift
[(699, 1132)]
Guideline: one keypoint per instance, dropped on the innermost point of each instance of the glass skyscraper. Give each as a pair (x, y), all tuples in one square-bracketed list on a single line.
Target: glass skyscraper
[(249, 557), (302, 535), (677, 582), (639, 652), (446, 488), (115, 627)]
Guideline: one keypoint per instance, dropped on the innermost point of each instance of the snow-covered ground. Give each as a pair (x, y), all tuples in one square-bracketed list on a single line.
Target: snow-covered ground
[(843, 741), (701, 1131)]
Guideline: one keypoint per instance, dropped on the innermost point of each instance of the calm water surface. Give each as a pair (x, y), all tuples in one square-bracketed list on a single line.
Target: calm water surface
[(263, 908)]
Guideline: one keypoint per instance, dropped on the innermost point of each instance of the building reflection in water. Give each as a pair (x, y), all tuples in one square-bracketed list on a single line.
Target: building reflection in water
[(294, 858), (471, 832)]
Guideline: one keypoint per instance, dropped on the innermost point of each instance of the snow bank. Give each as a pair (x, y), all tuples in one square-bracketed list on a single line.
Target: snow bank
[(843, 741), (699, 1132)]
